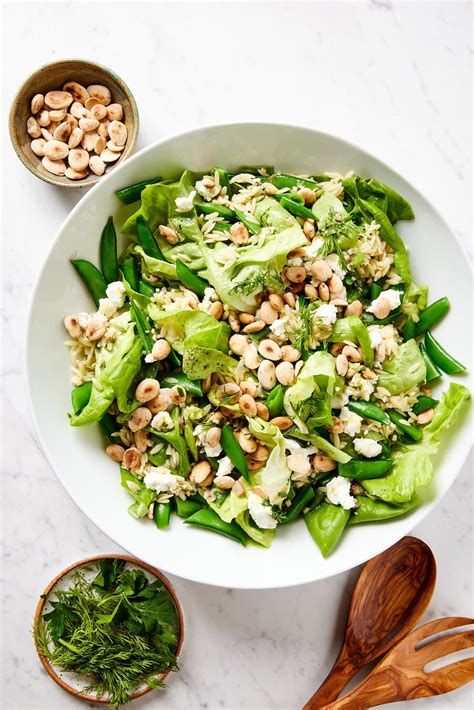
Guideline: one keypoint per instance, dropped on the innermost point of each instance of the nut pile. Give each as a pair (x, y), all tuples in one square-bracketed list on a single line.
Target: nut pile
[(76, 130)]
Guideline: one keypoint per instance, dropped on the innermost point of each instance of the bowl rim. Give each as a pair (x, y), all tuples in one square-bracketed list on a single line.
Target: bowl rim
[(90, 560), (91, 180), (359, 557)]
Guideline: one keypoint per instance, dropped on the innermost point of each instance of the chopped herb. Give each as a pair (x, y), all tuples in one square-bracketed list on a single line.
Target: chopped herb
[(338, 234), (260, 281)]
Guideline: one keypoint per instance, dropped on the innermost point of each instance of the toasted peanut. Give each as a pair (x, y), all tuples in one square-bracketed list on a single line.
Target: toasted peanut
[(108, 156), (323, 291), (58, 99), (238, 488), (308, 229), (177, 395), (147, 389), (43, 118), (37, 103), (132, 458), (88, 124), (261, 453), (78, 159), (335, 284), (89, 140), (369, 374), (100, 92), (249, 387), (230, 413), (75, 174), (72, 121), (253, 465), (337, 427), (90, 102), (46, 134), (140, 438), (213, 436), (354, 309), (57, 116), (267, 313), (118, 132), (234, 321), (140, 418), (262, 411), (95, 330), (254, 327), (299, 463), (200, 471), (337, 348), (266, 375), (238, 343), (321, 270), (98, 111), (426, 416), (207, 383), (115, 112), (114, 147), (246, 318), (276, 301), (339, 302), (260, 492), (216, 310), (289, 353), (56, 167), (285, 373), (77, 91), (100, 144), (323, 463), (77, 110), (160, 403), (307, 194), (382, 307), (103, 129), (169, 234), (281, 422), (239, 234), (251, 358), (161, 349), (62, 132), (56, 150), (72, 326), (269, 350), (37, 146), (115, 452), (295, 274), (246, 441), (351, 353), (230, 392), (97, 165), (289, 299), (224, 482), (310, 291), (342, 365), (33, 127), (248, 405)]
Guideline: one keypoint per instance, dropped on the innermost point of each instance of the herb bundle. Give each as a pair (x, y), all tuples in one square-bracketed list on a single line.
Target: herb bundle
[(118, 628)]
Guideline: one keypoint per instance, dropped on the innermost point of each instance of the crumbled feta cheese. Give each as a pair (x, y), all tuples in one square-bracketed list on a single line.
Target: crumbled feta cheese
[(327, 312), (352, 422), (294, 447), (390, 295), (162, 480), (338, 492), (225, 467), (185, 204), (210, 295), (360, 388), (162, 422), (261, 514), (312, 249), (278, 327), (295, 261), (367, 447), (375, 335), (339, 399), (212, 451), (149, 358), (335, 264), (85, 318), (106, 307), (116, 294)]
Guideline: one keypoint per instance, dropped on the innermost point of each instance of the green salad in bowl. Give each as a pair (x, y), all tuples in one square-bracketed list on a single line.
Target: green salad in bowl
[(259, 353)]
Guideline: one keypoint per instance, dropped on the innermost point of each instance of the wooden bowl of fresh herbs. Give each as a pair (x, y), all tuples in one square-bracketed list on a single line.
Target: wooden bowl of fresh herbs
[(109, 629)]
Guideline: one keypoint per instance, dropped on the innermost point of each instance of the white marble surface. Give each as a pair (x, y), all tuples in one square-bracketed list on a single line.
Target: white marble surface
[(393, 77)]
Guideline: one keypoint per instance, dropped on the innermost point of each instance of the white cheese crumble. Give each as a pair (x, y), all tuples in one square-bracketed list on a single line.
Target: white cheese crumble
[(338, 492), (261, 514), (225, 467), (340, 399), (212, 451), (278, 327), (312, 249), (162, 480), (352, 421), (390, 295), (115, 292), (107, 307), (162, 422), (185, 204), (375, 336), (367, 447), (327, 312), (335, 264)]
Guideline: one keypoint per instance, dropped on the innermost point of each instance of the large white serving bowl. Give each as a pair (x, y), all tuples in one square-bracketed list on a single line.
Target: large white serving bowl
[(77, 454)]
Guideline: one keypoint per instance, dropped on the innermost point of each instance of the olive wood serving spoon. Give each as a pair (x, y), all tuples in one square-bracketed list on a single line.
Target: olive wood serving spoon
[(389, 598)]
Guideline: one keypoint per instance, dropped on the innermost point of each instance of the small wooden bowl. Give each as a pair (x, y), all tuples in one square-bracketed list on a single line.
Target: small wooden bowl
[(54, 76), (55, 674)]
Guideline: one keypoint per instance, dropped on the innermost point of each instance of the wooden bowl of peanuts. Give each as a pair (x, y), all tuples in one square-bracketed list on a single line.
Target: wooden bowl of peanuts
[(72, 121)]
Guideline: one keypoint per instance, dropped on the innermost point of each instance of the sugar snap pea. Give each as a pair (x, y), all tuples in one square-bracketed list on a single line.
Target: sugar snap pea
[(302, 499), (441, 357), (210, 208), (80, 396), (145, 288), (92, 278), (432, 315), (179, 378), (109, 427), (234, 451), (186, 508), (174, 359), (257, 170), (432, 370), (190, 279), (207, 518), (281, 180), (252, 226), (158, 459), (132, 193), (108, 252), (147, 239), (375, 290), (274, 401), (369, 410), (364, 469), (143, 325), (423, 403), (161, 515), (224, 180), (409, 329), (129, 269), (294, 207), (401, 423)]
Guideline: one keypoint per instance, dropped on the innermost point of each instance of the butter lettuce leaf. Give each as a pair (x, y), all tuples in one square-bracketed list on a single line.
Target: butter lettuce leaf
[(370, 510), (199, 363), (352, 328), (232, 507), (275, 476), (412, 465), (187, 328), (404, 371), (308, 401), (262, 537), (156, 267), (326, 206), (386, 199)]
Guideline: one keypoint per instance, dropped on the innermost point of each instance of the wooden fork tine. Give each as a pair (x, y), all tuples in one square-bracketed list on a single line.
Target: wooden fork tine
[(444, 646), (450, 677), (434, 627)]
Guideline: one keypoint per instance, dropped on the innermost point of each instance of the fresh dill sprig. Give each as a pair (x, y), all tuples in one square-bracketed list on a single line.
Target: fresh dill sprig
[(305, 332), (338, 234), (260, 281)]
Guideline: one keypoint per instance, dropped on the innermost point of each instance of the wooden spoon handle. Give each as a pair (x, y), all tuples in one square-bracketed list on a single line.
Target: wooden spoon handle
[(337, 679), (380, 687)]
